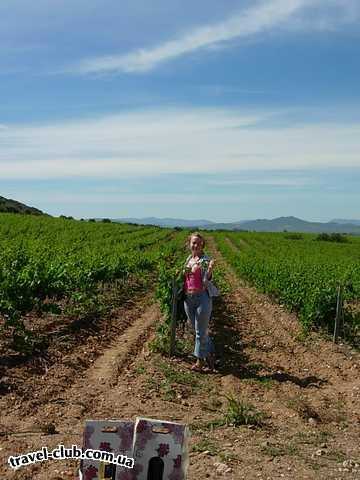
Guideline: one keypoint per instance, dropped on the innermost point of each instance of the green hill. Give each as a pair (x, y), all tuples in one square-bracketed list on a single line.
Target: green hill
[(12, 206)]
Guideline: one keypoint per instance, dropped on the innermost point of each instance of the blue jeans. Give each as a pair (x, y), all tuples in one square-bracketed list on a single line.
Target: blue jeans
[(198, 309)]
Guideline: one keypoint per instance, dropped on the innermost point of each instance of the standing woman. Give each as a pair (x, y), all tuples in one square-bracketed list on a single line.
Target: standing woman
[(198, 302)]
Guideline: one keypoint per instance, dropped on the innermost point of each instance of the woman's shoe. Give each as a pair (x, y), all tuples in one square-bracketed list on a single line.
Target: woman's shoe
[(210, 359), (199, 366)]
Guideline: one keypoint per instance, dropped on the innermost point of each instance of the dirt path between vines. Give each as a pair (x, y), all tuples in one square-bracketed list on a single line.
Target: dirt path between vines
[(309, 388), (68, 395), (306, 392)]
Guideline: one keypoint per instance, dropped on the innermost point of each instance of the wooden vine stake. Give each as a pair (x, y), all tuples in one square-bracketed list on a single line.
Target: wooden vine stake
[(173, 318), (339, 313)]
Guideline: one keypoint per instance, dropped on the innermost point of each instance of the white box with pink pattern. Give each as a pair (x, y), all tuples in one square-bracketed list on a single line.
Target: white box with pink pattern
[(159, 449)]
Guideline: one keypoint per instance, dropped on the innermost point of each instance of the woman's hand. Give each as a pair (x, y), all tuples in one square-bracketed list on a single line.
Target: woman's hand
[(210, 268)]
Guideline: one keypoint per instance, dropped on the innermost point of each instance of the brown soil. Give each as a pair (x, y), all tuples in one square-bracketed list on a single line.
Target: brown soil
[(306, 390)]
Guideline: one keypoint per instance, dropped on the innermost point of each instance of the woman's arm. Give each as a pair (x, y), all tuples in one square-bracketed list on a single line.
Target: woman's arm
[(209, 265)]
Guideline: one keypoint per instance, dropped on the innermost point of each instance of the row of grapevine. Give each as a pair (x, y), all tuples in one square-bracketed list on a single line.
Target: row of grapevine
[(299, 271), (44, 260), (170, 268)]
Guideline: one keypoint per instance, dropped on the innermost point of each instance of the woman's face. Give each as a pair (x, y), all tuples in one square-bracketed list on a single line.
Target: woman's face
[(196, 245)]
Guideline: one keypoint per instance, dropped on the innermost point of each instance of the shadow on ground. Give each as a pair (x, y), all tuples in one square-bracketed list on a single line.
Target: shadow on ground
[(226, 330)]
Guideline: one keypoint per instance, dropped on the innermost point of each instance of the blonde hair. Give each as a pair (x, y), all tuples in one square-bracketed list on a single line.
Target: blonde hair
[(198, 235)]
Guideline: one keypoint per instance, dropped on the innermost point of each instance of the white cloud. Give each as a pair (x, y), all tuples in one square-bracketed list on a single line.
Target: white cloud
[(336, 14), (173, 141), (272, 181), (264, 16)]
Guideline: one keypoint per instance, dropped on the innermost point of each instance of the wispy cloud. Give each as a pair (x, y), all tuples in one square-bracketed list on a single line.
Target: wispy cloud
[(328, 16), (173, 141), (264, 16), (269, 180)]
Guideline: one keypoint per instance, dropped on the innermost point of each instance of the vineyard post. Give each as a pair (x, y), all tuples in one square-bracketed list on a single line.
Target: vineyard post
[(173, 317), (339, 313)]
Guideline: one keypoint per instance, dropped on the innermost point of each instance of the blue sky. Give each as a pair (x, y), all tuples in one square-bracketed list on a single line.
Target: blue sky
[(220, 110)]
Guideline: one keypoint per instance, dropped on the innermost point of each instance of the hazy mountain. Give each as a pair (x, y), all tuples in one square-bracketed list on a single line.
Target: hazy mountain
[(165, 222), (291, 224), (12, 206), (343, 221)]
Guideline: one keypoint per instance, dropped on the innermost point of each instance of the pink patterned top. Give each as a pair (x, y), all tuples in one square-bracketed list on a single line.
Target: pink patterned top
[(193, 281)]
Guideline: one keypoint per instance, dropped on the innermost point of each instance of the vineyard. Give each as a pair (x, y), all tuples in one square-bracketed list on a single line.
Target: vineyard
[(299, 271), (85, 319), (62, 266)]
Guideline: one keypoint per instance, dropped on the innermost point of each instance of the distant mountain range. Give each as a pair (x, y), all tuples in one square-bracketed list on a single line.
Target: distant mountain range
[(341, 220), (166, 222), (12, 206), (290, 224)]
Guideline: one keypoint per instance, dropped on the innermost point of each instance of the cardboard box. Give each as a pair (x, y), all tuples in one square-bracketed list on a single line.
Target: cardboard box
[(160, 450), (112, 436)]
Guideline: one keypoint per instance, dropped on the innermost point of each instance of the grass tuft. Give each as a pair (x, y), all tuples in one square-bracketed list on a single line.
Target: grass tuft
[(240, 412)]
